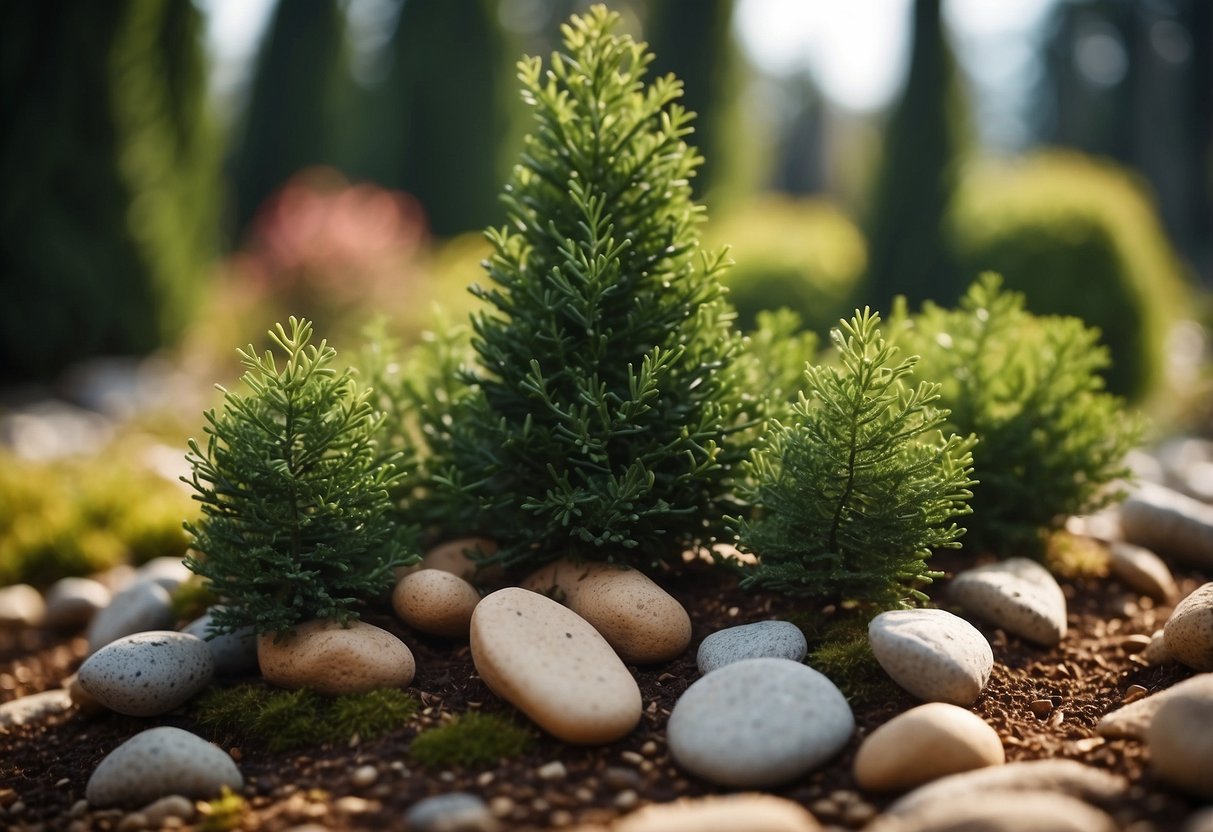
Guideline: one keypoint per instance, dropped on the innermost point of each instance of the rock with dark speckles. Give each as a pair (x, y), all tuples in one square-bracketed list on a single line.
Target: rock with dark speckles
[(1188, 633), (1018, 595), (772, 639), (159, 762), (148, 673)]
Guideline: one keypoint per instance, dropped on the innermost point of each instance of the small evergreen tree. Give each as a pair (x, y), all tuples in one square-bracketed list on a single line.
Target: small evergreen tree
[(606, 410), (294, 492), (1030, 388), (859, 487)]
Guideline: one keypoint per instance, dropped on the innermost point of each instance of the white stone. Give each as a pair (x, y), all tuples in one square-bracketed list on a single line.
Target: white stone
[(553, 666), (1131, 721), (1188, 633), (758, 723), (142, 606), (770, 639), (720, 813), (1156, 652), (436, 602), (336, 660), (34, 707), (1018, 595), (1180, 737), (72, 602), (977, 812), (172, 806), (160, 762), (1172, 524), (234, 653), (452, 812), (643, 622), (1140, 569), (21, 606), (1058, 775), (936, 656), (169, 572), (924, 744), (148, 673)]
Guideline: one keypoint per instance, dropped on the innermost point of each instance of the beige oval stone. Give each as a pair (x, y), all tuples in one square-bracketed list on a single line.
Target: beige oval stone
[(1188, 633), (336, 660), (1140, 569), (924, 744), (548, 662), (721, 813), (1180, 739), (1132, 720), (455, 557), (436, 602), (1033, 811), (643, 622)]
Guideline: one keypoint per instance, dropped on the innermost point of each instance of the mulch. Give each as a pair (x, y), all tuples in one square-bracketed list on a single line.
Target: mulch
[(44, 767)]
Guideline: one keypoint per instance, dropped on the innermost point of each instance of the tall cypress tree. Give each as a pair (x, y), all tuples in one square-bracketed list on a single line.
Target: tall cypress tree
[(917, 177), (604, 416), (109, 166)]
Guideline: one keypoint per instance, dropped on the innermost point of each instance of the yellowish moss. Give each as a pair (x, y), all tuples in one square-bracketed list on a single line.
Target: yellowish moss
[(224, 813), (1071, 556)]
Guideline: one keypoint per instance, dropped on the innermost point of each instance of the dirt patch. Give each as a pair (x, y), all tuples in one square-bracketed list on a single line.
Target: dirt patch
[(46, 766)]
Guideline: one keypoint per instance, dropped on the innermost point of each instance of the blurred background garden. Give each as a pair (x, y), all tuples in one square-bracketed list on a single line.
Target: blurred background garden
[(180, 175)]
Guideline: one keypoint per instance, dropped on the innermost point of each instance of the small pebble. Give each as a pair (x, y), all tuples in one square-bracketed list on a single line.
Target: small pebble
[(159, 762), (364, 776), (1042, 707), (435, 602), (34, 707), (72, 602), (453, 812), (172, 806), (21, 606), (773, 639), (554, 770), (142, 606), (1018, 595), (1188, 633), (1140, 569), (924, 744), (169, 572), (720, 813)]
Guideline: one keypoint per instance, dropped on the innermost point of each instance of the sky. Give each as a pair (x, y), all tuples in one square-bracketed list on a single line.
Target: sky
[(855, 50)]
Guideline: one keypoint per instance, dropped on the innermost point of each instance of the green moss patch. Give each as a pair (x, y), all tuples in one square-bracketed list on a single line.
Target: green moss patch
[(472, 738)]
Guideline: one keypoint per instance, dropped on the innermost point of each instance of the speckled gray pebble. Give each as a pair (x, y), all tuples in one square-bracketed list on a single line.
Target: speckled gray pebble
[(1018, 595), (758, 722), (148, 673), (454, 812), (936, 656), (234, 653), (1188, 633), (160, 762), (771, 639), (142, 606), (72, 602)]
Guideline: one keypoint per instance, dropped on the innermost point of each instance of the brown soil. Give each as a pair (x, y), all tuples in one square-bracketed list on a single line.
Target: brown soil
[(44, 767)]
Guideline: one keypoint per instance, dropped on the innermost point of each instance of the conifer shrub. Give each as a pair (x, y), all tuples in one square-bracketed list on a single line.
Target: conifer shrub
[(470, 739), (607, 403), (1077, 237), (1051, 439), (857, 488), (294, 490)]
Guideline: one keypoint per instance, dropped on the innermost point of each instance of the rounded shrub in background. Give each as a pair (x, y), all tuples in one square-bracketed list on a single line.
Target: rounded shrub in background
[(1078, 237), (803, 254)]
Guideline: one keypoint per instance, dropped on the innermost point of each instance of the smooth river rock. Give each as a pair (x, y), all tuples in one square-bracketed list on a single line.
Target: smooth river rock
[(140, 607), (1172, 524), (1131, 721), (1180, 737), (977, 812), (758, 723), (159, 762), (148, 673), (335, 660), (451, 812), (234, 653), (21, 605), (936, 656), (1188, 633), (169, 572), (72, 602), (458, 557), (34, 707), (769, 639), (548, 662), (1018, 595), (643, 622), (435, 602), (1140, 569), (720, 813), (924, 744)]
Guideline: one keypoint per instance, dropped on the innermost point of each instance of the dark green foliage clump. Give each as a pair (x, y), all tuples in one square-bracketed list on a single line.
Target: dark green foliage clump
[(858, 488), (285, 720), (470, 739), (608, 400), (842, 651), (295, 493), (109, 166), (1050, 439)]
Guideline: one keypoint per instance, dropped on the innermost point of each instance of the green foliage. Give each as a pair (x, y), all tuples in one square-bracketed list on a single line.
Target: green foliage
[(470, 739), (110, 170), (224, 813), (78, 516), (801, 254), (1078, 237), (924, 140), (294, 492), (285, 720), (859, 487), (608, 398), (1050, 439)]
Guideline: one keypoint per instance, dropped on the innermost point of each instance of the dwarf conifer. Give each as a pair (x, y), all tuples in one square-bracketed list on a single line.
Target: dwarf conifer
[(294, 491), (608, 396)]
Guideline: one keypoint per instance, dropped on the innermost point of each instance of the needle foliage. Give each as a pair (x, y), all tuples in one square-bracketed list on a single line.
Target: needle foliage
[(858, 486), (608, 401), (296, 514)]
